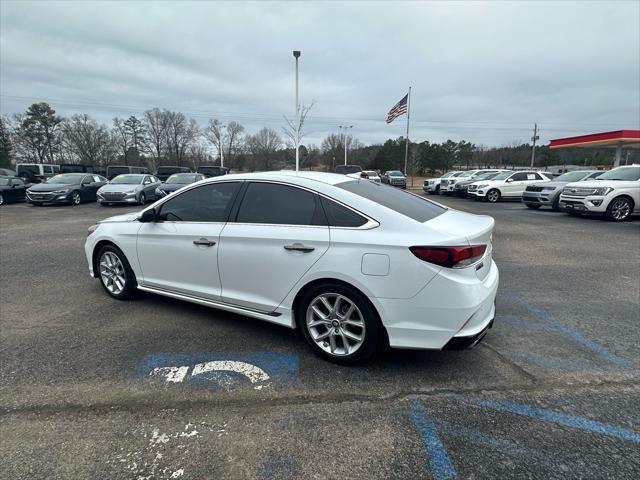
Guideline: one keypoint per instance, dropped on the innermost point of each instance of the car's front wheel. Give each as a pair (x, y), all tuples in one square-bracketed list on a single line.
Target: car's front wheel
[(493, 196), (619, 209), (75, 198), (142, 199), (339, 323), (115, 273)]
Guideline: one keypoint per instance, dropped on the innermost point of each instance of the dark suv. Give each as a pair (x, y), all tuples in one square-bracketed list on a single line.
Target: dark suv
[(212, 171), (165, 172), (347, 169)]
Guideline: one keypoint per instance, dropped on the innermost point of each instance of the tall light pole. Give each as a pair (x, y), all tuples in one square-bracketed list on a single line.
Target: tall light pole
[(296, 55), (345, 140), (221, 146)]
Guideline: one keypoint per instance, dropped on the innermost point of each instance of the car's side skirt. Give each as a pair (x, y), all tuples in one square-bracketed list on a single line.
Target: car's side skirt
[(273, 317)]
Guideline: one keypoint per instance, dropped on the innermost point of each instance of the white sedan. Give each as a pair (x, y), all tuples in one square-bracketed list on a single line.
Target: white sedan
[(353, 264)]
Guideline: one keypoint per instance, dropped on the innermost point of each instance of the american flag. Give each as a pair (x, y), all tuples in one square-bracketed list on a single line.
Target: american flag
[(398, 109)]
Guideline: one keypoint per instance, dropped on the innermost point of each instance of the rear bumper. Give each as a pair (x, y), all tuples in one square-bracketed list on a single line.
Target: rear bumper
[(462, 343), (450, 306)]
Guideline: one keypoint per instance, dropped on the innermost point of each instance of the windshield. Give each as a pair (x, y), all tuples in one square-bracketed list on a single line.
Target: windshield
[(4, 181), (571, 177), (486, 176), (64, 178), (395, 173), (621, 173), (127, 180), (469, 174), (447, 175), (182, 178), (502, 176)]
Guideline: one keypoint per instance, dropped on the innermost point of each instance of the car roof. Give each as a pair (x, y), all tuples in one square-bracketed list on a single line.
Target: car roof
[(287, 175)]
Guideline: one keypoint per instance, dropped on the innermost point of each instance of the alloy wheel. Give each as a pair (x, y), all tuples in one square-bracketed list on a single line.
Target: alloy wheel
[(335, 324), (112, 273), (620, 209), (143, 199), (493, 196), (75, 198)]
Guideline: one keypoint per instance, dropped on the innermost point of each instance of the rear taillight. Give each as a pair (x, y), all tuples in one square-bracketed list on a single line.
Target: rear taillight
[(450, 257), (364, 175)]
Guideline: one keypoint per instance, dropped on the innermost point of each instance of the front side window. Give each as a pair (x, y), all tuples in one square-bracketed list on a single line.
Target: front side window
[(208, 203), (47, 169), (519, 177), (281, 205)]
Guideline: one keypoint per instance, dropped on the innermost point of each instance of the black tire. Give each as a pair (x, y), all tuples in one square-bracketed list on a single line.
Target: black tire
[(129, 289), (142, 199), (372, 327), (27, 176), (75, 198), (438, 190), (491, 196), (533, 206), (555, 206), (619, 209), (1, 199)]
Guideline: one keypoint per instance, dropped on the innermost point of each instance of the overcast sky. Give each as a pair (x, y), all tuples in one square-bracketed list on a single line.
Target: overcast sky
[(483, 72)]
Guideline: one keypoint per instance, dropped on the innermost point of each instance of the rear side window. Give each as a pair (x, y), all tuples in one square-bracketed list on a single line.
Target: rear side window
[(340, 216), (208, 203), (281, 205), (408, 204)]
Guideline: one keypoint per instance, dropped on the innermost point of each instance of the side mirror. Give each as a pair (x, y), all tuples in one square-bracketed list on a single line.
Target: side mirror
[(147, 216), (509, 180)]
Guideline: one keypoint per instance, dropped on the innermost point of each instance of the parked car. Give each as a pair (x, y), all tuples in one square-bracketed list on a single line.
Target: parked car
[(614, 194), (115, 170), (7, 173), (461, 186), (372, 175), (36, 172), (212, 171), (12, 189), (379, 263), (129, 188), (346, 169), (432, 185), (166, 171), (444, 182), (454, 179), (176, 182), (508, 185), (548, 193), (395, 178), (71, 188)]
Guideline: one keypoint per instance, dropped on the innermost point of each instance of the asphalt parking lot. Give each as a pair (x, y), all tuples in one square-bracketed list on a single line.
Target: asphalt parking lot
[(89, 386)]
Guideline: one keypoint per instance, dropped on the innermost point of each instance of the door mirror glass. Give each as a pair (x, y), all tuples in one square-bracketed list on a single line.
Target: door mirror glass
[(509, 180), (147, 216)]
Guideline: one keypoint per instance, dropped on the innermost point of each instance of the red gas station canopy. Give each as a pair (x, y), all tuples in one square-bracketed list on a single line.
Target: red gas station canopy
[(619, 138)]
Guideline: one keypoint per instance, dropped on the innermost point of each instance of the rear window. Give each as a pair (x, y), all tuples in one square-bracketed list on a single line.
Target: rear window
[(408, 204)]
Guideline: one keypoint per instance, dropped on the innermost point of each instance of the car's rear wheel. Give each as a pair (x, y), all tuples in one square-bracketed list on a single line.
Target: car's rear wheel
[(533, 206), (339, 323), (115, 273), (75, 198), (493, 196), (619, 209)]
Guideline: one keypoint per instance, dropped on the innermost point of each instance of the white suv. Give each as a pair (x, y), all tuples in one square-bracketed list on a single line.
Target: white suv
[(616, 194), (505, 185)]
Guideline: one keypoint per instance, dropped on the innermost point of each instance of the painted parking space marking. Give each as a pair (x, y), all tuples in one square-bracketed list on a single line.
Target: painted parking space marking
[(228, 370), (561, 418), (547, 321), (437, 455)]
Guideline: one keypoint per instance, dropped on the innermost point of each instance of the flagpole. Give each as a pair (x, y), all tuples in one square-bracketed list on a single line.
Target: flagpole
[(406, 148)]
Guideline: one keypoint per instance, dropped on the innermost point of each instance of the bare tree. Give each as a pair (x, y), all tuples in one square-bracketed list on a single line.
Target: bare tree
[(333, 149), (87, 140), (121, 137), (234, 140), (293, 128), (263, 147), (156, 124), (215, 134), (181, 134)]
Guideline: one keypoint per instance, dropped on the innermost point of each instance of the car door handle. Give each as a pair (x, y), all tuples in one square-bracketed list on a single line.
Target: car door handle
[(204, 242), (298, 247)]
